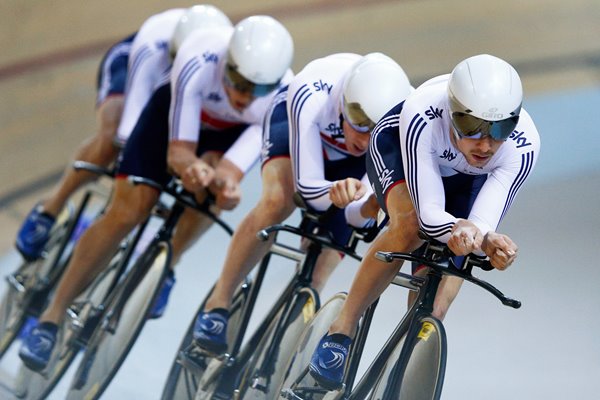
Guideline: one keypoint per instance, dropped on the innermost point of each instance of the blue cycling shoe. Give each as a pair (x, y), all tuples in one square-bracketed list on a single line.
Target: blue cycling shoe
[(37, 347), (160, 303), (34, 233), (28, 325), (328, 362), (210, 330)]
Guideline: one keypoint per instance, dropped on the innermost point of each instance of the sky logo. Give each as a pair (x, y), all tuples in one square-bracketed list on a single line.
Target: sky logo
[(520, 139)]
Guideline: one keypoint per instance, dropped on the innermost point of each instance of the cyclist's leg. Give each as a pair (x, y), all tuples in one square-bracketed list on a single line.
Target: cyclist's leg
[(374, 276), (129, 206), (326, 263), (371, 280), (245, 250), (99, 149)]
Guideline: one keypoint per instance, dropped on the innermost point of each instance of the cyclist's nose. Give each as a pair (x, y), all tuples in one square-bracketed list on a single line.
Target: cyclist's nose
[(485, 144)]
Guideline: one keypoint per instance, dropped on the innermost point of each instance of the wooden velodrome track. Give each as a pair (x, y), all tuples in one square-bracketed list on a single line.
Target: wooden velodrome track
[(50, 52), (547, 350)]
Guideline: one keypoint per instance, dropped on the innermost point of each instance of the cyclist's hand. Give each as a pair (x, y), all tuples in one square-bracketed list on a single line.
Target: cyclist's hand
[(465, 238), (227, 191), (346, 191), (501, 250), (197, 176)]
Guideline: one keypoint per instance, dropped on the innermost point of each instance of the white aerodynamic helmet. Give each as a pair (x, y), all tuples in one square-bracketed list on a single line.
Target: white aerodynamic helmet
[(196, 17), (260, 53), (374, 85), (485, 97)]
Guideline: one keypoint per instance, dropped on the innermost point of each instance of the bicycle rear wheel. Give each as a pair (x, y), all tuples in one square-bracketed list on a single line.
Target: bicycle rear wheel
[(423, 377), (262, 382), (295, 380), (110, 344), (37, 386), (182, 383), (30, 282)]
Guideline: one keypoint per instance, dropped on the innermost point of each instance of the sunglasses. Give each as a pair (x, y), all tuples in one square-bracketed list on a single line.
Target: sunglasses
[(238, 82), (468, 126)]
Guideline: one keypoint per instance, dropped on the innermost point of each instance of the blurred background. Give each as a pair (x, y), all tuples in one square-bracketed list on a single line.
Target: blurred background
[(547, 350)]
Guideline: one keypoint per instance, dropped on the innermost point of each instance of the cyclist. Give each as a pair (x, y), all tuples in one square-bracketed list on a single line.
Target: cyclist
[(118, 107), (449, 160), (329, 110), (163, 142), (100, 149)]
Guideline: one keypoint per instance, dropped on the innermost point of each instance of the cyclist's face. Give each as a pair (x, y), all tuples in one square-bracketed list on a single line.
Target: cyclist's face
[(356, 142), (238, 100), (477, 152)]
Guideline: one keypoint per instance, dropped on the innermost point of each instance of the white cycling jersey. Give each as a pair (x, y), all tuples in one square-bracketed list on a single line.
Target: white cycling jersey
[(198, 98), (429, 154), (314, 104), (149, 66)]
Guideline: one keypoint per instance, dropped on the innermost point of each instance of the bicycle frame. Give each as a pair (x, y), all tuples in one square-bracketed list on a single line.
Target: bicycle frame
[(233, 364), (423, 306)]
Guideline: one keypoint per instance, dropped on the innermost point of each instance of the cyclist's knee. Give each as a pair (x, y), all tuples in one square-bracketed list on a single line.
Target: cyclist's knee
[(326, 263), (275, 206), (109, 117), (447, 292), (440, 310), (130, 205), (404, 228)]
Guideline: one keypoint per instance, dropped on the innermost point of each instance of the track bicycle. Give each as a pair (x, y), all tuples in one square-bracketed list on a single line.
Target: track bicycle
[(29, 286), (117, 320), (250, 370), (411, 364)]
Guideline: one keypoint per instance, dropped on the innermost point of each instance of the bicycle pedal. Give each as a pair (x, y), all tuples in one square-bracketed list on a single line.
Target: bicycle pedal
[(17, 282), (335, 394), (193, 360), (259, 383), (289, 394), (308, 392)]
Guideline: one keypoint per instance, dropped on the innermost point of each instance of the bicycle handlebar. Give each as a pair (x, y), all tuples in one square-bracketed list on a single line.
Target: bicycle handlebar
[(435, 257), (324, 238), (175, 189), (96, 169)]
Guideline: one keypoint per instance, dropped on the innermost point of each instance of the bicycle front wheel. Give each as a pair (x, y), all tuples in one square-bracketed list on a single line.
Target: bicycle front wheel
[(182, 383), (110, 343), (417, 371), (296, 382), (266, 367)]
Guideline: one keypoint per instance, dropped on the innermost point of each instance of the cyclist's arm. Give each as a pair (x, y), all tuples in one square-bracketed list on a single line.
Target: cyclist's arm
[(363, 211), (244, 153), (306, 149), (423, 177), (226, 185)]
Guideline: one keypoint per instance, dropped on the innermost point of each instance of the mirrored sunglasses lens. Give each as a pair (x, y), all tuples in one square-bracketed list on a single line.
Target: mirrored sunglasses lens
[(241, 84), (356, 117), (475, 128), (501, 130)]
